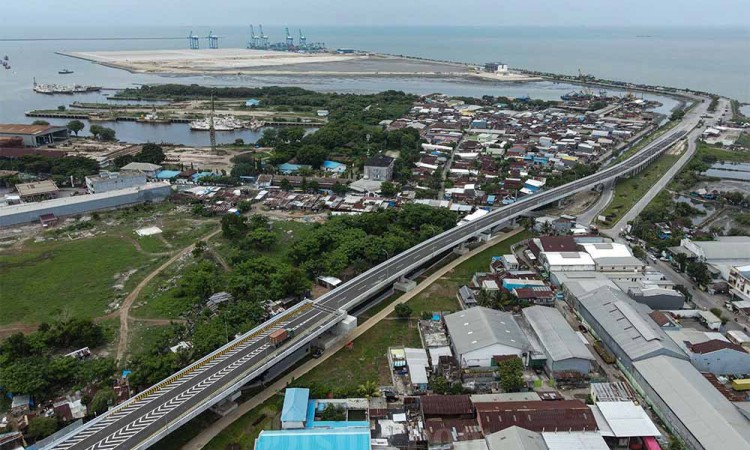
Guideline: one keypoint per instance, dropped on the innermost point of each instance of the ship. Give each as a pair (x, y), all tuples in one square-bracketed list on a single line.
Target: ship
[(51, 89), (64, 72)]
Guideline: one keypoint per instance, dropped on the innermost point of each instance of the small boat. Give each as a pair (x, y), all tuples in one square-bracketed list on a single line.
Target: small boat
[(65, 72)]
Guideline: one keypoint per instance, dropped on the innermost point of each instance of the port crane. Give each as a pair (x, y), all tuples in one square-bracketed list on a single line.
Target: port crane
[(194, 41), (213, 40), (254, 39), (302, 40), (289, 39), (263, 38)]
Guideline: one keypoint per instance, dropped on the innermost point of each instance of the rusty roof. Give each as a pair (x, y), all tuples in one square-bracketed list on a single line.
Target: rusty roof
[(567, 415), (447, 405), (715, 345), (36, 188), (11, 128)]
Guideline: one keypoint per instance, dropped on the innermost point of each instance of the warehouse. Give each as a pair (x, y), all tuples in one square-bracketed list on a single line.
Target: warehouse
[(690, 406), (564, 350), (35, 135), (722, 254), (479, 333), (81, 204), (624, 327)]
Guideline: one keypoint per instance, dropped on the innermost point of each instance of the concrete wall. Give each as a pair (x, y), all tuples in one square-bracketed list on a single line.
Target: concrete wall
[(582, 366), (69, 206)]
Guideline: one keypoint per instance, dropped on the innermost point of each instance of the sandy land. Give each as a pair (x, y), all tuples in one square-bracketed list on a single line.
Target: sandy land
[(228, 60), (233, 61)]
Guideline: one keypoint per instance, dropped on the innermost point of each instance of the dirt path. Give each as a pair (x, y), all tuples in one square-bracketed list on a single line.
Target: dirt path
[(220, 259), (124, 311), (215, 428), (7, 330)]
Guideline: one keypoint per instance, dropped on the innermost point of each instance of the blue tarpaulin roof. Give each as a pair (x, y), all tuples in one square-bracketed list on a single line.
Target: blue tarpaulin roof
[(332, 164), (167, 174), (295, 405), (199, 175), (350, 438)]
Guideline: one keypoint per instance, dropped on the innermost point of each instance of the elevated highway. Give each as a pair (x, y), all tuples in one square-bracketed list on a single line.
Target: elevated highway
[(154, 413)]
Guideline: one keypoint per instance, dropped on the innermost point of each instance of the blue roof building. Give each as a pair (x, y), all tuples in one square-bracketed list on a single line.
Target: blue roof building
[(350, 438), (334, 167), (289, 168), (252, 102), (294, 411), (197, 176), (167, 174)]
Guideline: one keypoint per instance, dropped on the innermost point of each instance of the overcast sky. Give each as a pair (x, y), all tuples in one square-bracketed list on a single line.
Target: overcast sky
[(375, 12)]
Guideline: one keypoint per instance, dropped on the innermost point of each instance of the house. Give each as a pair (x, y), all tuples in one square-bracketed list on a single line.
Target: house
[(294, 410), (539, 416), (739, 282), (466, 297), (289, 168), (35, 135), (379, 168), (510, 262), (112, 181), (447, 407), (478, 334), (334, 167), (552, 244), (536, 295), (417, 362), (252, 102), (563, 348), (150, 170), (720, 358), (722, 253)]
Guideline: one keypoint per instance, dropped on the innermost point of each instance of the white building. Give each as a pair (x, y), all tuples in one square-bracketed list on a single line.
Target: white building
[(613, 257), (739, 282), (567, 261), (112, 181), (479, 333), (723, 253)]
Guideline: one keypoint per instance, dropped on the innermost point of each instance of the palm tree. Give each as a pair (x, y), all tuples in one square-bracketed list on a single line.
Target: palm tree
[(368, 389)]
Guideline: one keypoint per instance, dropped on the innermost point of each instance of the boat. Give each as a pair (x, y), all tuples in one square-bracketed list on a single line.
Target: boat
[(64, 72), (63, 89), (255, 124), (228, 123)]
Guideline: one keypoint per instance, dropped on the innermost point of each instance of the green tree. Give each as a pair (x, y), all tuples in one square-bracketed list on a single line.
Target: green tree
[(403, 311), (388, 189), (339, 189), (285, 185), (75, 126), (41, 427), (333, 413), (368, 389), (107, 134), (95, 130), (151, 153), (698, 271), (40, 122), (682, 260), (511, 374), (233, 226), (102, 400)]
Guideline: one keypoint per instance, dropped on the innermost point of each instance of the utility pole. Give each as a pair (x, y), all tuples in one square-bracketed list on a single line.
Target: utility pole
[(211, 129)]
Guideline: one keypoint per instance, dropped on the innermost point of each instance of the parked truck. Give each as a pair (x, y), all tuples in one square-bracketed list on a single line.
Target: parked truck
[(279, 336), (741, 384)]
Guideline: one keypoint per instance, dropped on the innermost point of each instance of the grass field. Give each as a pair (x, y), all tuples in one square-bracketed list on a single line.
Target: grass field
[(246, 429), (630, 190), (43, 280), (723, 155), (144, 336)]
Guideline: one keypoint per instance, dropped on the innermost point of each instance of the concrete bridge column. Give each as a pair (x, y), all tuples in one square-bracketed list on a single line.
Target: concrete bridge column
[(404, 284), (462, 249)]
